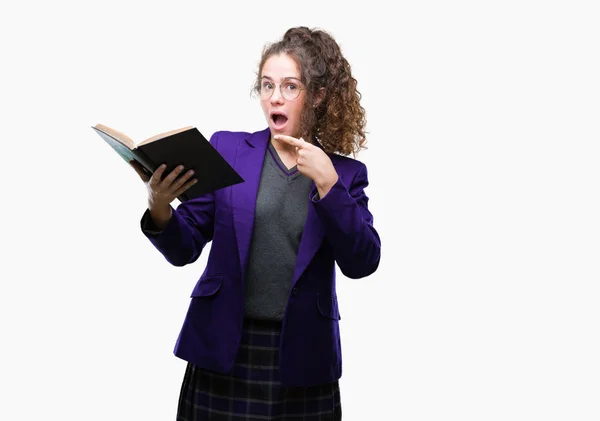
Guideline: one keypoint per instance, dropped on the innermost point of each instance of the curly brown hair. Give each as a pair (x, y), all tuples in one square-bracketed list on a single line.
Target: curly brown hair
[(338, 121)]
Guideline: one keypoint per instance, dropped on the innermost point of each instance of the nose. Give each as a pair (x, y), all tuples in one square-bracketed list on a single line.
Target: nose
[(276, 98)]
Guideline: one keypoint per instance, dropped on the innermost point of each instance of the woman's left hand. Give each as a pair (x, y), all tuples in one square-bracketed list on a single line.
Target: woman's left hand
[(312, 162)]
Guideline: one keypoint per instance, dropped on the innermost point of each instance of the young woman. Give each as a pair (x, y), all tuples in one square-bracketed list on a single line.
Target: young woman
[(261, 335)]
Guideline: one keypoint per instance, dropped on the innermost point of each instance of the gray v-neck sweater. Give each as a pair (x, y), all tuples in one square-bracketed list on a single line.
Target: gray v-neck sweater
[(281, 208)]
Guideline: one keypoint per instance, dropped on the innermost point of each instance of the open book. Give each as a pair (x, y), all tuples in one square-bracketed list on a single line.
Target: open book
[(185, 146)]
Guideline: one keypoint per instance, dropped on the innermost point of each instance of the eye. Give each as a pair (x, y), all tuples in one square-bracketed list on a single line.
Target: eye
[(267, 85), (291, 86)]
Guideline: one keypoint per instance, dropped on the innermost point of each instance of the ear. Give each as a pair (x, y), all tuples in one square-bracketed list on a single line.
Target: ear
[(319, 96)]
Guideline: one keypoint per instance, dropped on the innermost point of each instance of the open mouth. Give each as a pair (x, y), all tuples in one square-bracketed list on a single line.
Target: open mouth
[(279, 120)]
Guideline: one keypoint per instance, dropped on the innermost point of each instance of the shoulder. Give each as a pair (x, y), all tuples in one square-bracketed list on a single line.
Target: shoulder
[(228, 138), (348, 165)]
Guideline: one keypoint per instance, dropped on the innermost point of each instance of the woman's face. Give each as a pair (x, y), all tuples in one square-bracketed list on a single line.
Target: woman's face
[(282, 95)]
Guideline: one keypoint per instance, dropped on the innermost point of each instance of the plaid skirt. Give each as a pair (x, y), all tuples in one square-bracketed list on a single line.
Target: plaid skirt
[(252, 391)]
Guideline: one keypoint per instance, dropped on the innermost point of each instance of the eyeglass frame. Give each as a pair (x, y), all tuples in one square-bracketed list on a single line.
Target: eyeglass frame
[(266, 78)]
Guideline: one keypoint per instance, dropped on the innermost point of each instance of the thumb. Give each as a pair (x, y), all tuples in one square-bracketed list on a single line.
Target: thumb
[(141, 171)]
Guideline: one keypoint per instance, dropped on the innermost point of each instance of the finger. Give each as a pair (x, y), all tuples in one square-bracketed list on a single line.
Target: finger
[(141, 171), (179, 182), (303, 156), (299, 143), (186, 186), (157, 175), (292, 141), (168, 180)]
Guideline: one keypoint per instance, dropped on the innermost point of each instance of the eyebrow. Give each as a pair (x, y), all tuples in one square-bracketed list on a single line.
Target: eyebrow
[(288, 77)]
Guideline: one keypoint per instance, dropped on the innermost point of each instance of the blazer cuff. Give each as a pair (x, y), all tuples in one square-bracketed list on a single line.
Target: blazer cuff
[(338, 188), (148, 226), (151, 230)]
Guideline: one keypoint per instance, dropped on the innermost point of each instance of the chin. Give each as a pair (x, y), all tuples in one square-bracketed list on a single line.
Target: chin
[(285, 130)]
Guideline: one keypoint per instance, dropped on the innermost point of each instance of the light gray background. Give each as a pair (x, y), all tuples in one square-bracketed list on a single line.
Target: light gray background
[(483, 162)]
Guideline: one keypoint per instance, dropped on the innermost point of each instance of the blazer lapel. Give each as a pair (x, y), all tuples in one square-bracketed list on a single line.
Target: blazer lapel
[(312, 236), (309, 243), (249, 161)]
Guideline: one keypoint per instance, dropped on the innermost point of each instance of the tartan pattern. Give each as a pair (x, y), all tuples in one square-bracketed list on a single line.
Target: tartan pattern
[(252, 391)]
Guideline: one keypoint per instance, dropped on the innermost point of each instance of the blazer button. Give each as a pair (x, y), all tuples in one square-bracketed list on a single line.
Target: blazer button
[(294, 291)]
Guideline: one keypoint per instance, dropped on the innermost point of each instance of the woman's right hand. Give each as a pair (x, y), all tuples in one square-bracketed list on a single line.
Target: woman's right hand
[(161, 192)]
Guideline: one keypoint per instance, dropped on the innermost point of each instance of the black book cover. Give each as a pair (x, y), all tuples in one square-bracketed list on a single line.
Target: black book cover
[(190, 149)]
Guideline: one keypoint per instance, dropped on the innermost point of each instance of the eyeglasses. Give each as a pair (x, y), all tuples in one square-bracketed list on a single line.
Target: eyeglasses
[(289, 89)]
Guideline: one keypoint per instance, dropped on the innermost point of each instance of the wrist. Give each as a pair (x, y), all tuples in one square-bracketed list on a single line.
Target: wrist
[(324, 185), (327, 181), (160, 214)]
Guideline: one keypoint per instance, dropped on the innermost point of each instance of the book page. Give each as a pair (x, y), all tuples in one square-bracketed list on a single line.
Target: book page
[(117, 135), (163, 135)]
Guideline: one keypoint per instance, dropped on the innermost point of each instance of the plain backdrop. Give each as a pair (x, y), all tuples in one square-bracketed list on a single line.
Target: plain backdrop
[(484, 167)]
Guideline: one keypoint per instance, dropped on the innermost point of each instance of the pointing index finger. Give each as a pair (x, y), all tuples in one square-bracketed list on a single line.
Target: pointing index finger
[(299, 143)]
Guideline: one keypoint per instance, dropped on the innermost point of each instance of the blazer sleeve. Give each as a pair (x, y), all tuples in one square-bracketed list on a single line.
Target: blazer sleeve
[(190, 228), (348, 225)]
